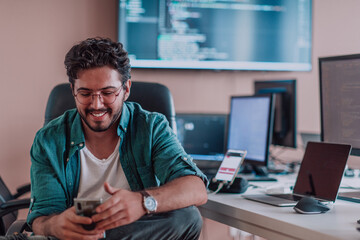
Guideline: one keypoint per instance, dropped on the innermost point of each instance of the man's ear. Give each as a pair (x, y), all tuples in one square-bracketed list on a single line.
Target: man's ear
[(72, 88), (127, 90)]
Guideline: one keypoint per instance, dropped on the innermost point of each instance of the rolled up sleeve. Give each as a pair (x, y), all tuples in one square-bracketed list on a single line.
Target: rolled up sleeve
[(169, 157), (47, 189)]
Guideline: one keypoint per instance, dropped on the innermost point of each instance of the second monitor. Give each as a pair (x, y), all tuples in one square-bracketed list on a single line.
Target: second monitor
[(250, 128)]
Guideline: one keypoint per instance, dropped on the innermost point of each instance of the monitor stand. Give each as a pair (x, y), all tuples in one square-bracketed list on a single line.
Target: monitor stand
[(260, 172)]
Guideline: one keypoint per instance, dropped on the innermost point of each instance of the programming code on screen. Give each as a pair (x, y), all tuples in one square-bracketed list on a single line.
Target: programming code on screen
[(340, 88), (250, 34)]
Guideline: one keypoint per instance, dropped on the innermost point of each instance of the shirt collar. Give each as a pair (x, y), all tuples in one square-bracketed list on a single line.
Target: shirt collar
[(124, 119), (77, 134)]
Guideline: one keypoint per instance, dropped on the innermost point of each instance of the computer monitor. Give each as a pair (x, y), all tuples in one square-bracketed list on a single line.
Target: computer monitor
[(262, 35), (203, 137), (250, 127), (340, 100), (284, 132)]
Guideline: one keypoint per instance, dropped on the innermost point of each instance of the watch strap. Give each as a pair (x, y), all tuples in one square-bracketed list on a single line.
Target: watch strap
[(145, 195)]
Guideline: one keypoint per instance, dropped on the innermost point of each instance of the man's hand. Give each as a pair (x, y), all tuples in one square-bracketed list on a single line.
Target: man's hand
[(122, 208), (66, 225)]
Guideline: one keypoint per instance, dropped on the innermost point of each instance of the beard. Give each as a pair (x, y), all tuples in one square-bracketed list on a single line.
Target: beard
[(98, 127)]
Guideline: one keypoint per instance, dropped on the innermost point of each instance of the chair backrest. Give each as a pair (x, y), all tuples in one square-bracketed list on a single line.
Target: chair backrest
[(8, 219), (60, 100), (153, 97)]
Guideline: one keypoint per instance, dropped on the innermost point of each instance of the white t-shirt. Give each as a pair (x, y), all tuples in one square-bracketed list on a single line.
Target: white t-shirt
[(95, 172)]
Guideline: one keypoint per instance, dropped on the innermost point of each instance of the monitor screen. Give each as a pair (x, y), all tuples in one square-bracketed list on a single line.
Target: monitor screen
[(272, 35), (250, 127), (203, 137), (284, 131), (340, 100)]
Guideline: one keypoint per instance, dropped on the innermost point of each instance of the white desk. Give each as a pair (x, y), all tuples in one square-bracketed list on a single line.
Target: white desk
[(283, 222)]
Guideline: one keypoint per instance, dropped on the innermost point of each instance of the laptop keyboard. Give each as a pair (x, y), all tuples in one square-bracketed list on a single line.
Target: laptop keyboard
[(286, 196)]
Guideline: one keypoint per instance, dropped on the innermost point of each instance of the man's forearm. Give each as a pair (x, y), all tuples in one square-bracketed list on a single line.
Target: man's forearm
[(42, 225), (179, 193)]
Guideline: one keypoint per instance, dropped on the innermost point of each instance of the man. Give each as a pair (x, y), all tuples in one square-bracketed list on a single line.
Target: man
[(111, 149)]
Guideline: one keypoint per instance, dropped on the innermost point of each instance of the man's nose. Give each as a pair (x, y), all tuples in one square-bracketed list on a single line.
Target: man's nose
[(97, 101)]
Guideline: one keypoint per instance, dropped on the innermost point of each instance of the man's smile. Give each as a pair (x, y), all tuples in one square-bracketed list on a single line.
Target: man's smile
[(98, 114)]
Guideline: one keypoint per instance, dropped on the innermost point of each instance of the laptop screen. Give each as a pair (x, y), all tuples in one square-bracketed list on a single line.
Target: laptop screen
[(321, 170), (202, 136)]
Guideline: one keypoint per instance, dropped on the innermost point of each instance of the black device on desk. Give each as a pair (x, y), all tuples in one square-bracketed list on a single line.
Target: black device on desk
[(250, 127), (339, 105)]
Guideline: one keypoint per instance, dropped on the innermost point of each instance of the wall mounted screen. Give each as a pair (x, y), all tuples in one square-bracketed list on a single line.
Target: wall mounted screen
[(272, 35)]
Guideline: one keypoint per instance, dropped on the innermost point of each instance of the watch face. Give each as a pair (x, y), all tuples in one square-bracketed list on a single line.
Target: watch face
[(150, 204)]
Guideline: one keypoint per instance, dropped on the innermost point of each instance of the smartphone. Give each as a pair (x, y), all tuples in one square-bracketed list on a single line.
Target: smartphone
[(230, 165), (86, 207)]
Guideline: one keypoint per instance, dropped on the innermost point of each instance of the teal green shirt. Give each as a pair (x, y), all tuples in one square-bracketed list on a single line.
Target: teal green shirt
[(150, 155)]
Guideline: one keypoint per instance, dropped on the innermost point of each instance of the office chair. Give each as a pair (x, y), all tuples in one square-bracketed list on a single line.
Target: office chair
[(153, 97), (10, 204)]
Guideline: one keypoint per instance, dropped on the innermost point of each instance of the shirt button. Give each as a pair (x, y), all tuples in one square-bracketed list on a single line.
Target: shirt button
[(67, 159), (81, 144), (72, 143)]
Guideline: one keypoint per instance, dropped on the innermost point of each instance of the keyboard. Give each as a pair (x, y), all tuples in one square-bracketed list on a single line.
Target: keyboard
[(286, 196), (261, 179), (350, 196)]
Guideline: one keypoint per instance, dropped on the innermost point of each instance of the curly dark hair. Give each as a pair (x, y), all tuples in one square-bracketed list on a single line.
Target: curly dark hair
[(97, 52)]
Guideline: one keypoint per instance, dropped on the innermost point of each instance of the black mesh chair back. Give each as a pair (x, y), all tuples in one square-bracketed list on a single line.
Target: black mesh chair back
[(153, 97), (8, 219)]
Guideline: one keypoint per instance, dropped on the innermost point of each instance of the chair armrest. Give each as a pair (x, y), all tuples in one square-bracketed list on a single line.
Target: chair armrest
[(22, 190), (18, 227), (13, 205)]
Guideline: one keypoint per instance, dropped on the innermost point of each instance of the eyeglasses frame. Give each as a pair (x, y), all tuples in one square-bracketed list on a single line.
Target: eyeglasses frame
[(99, 96)]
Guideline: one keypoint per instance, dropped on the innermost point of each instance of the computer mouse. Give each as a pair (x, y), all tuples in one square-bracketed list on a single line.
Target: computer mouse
[(309, 205)]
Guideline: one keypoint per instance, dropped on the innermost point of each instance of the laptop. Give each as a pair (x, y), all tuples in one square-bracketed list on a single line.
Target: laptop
[(203, 137), (319, 175)]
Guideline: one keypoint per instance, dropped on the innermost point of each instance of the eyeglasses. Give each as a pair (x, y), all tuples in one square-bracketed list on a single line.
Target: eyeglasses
[(106, 96)]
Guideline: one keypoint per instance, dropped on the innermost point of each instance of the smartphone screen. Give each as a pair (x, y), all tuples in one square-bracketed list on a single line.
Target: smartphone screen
[(86, 207), (230, 165)]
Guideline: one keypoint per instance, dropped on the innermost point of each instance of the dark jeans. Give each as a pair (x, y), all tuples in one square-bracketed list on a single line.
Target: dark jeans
[(181, 224)]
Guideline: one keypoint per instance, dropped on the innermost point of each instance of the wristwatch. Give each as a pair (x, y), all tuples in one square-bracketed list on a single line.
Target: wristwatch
[(149, 202)]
